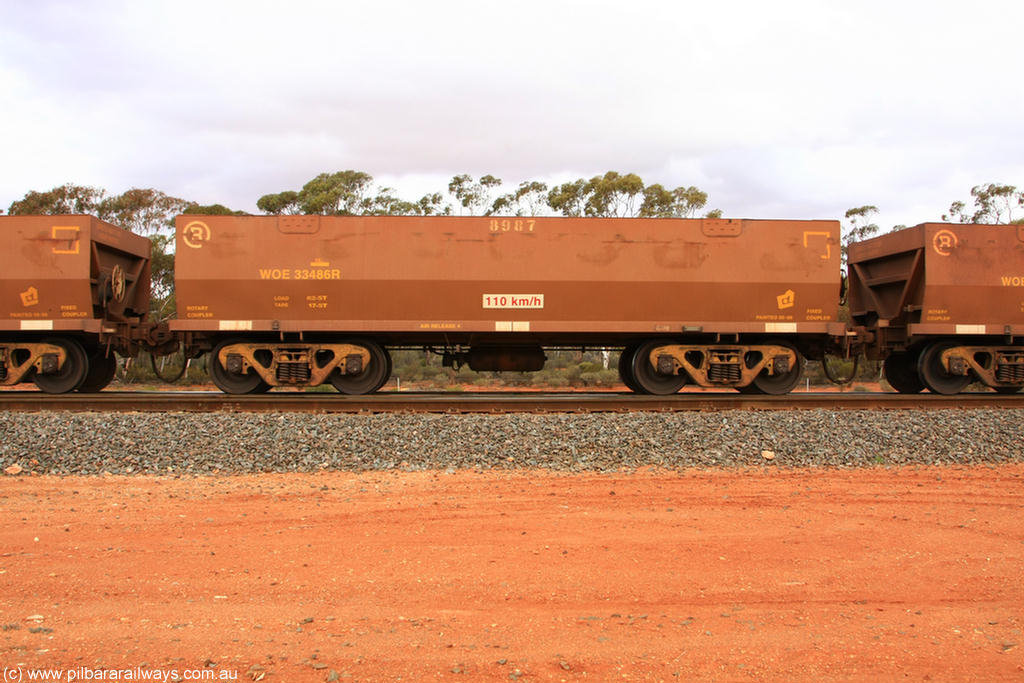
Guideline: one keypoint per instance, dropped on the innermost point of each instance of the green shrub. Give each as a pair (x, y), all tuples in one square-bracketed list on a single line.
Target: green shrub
[(430, 372)]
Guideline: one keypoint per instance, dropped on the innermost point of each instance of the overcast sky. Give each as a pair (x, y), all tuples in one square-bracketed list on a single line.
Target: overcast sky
[(776, 109)]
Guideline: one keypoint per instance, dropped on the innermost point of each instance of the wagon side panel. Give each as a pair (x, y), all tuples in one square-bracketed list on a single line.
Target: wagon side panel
[(468, 274)]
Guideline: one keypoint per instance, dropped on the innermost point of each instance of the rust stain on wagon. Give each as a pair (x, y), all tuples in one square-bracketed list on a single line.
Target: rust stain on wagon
[(687, 255)]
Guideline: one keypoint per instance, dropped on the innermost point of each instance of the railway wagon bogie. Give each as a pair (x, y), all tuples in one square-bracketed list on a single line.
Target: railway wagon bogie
[(59, 373), (55, 365), (769, 367), (726, 301), (948, 366), (241, 365)]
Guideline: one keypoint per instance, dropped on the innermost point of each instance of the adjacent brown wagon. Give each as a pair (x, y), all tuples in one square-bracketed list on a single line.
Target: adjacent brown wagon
[(74, 290), (943, 304)]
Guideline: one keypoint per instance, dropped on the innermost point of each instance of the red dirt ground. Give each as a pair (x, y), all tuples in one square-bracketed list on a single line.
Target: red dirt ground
[(865, 575)]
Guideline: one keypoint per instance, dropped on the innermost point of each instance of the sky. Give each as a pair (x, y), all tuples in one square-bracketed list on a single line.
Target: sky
[(778, 109)]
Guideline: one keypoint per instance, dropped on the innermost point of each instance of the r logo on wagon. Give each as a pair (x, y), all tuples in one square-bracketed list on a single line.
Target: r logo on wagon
[(944, 242), (195, 234)]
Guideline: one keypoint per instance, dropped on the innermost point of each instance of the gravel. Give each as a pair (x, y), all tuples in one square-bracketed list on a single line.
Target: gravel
[(175, 443)]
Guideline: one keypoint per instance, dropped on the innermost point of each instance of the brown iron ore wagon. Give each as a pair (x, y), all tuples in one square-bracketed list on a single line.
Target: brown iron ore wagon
[(943, 305), (73, 291), (303, 300)]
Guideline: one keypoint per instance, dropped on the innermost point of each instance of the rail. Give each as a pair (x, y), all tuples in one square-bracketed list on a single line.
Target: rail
[(489, 402)]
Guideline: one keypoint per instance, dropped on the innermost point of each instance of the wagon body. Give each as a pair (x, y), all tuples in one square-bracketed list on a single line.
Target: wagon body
[(558, 280), (939, 279), (70, 273)]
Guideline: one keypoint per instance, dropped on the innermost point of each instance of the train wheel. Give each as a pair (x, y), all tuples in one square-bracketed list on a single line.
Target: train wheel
[(626, 369), (934, 376), (1006, 390), (102, 369), (71, 375), (751, 388), (387, 372), (372, 378), (782, 383), (900, 371), (648, 380), (234, 382)]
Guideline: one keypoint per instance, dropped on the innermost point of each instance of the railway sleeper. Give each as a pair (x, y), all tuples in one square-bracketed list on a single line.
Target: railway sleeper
[(994, 366), (17, 361), (294, 364), (724, 366)]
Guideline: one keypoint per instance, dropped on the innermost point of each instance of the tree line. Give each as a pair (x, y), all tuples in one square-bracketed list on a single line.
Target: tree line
[(352, 193)]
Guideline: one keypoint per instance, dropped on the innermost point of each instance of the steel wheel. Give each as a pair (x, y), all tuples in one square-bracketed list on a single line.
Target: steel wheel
[(626, 369), (102, 369), (900, 371), (374, 375), (649, 380), (1006, 390), (752, 389), (234, 382), (387, 372), (71, 375), (934, 376), (784, 383)]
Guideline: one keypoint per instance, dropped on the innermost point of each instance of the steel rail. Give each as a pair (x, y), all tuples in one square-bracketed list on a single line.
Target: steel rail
[(488, 402)]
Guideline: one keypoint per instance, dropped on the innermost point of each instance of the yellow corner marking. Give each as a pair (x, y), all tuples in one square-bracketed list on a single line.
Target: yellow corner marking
[(787, 299), (68, 233), (828, 244)]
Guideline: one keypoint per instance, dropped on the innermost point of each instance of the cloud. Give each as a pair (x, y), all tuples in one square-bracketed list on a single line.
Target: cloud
[(792, 109)]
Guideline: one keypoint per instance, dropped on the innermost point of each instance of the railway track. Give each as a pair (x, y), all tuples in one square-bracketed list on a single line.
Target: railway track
[(488, 402)]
